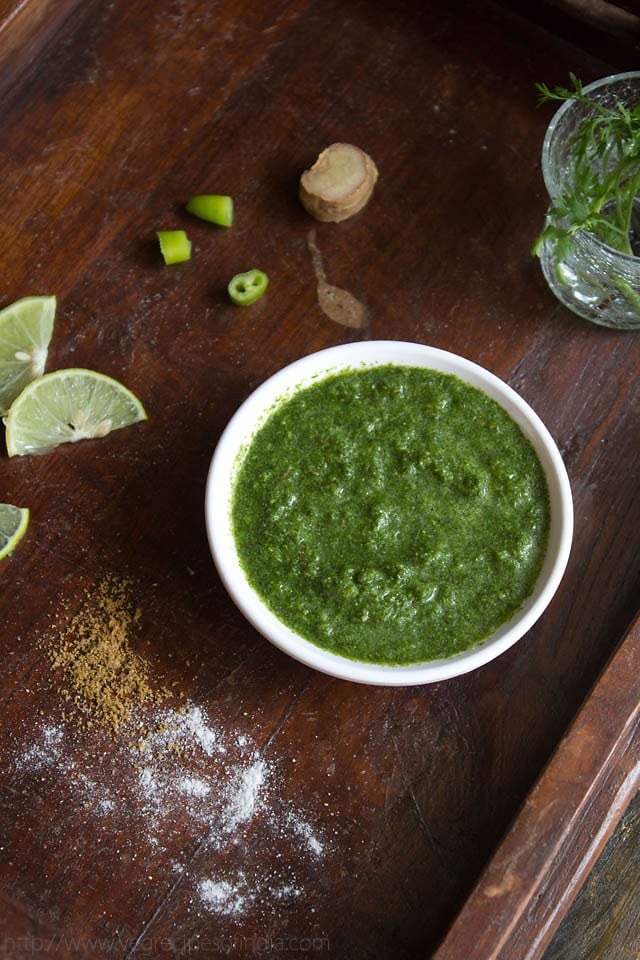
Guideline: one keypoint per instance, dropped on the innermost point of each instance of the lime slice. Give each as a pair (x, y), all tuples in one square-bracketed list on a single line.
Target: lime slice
[(68, 405), (25, 331), (13, 525)]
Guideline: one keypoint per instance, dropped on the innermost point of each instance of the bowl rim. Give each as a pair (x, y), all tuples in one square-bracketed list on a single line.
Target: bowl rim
[(313, 367)]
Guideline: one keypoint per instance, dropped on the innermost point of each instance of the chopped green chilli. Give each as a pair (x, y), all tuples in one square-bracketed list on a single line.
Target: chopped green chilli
[(212, 207), (175, 246), (246, 288)]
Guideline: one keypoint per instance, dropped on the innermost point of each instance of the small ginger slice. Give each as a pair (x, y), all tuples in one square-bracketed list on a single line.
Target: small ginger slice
[(339, 184)]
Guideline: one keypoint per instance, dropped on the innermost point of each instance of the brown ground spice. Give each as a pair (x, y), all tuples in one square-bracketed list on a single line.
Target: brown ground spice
[(105, 677)]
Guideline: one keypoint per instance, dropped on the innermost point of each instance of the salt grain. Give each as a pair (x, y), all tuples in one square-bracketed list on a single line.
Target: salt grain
[(221, 896), (185, 771), (304, 830), (44, 752), (193, 787), (195, 724), (244, 794)]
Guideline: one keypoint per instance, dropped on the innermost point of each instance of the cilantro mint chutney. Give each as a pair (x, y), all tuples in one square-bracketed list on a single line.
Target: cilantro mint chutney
[(391, 514)]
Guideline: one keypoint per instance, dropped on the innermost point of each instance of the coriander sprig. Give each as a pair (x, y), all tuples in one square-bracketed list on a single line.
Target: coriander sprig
[(604, 174)]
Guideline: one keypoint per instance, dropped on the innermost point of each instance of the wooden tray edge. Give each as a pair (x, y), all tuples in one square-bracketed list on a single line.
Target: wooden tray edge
[(574, 807)]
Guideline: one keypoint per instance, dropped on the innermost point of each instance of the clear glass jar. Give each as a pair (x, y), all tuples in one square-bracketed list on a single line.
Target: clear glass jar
[(593, 279)]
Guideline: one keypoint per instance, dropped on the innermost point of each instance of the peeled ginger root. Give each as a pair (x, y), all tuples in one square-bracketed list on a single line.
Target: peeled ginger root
[(339, 184)]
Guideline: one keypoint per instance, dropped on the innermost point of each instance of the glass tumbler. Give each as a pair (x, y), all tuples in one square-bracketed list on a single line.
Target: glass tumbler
[(592, 279)]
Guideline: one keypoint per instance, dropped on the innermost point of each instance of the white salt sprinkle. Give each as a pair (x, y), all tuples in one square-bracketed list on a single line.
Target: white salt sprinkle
[(44, 752), (146, 779), (244, 794), (193, 786), (195, 724), (305, 831), (215, 784), (221, 896)]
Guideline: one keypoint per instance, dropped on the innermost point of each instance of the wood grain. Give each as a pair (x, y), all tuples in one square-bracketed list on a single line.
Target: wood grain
[(606, 29), (607, 17), (603, 920), (26, 28), (378, 809), (568, 817)]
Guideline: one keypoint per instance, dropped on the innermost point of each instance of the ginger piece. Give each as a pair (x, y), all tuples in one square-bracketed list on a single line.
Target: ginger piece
[(339, 184)]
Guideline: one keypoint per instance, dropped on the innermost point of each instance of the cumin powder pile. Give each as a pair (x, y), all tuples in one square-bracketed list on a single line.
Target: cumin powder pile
[(105, 677)]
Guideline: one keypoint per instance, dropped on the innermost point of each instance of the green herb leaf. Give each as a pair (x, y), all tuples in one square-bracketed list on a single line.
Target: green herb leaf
[(604, 174)]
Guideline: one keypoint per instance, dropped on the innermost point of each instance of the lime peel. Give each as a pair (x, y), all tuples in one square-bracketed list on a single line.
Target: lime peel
[(13, 526), (66, 406), (26, 327)]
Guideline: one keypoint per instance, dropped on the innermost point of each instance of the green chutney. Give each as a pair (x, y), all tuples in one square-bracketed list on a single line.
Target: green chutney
[(391, 514)]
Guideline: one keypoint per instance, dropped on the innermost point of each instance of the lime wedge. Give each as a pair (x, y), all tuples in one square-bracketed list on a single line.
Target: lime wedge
[(13, 525), (68, 405), (25, 332)]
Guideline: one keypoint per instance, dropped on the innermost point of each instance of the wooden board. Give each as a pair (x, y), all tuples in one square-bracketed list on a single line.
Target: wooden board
[(262, 806), (604, 915), (549, 851)]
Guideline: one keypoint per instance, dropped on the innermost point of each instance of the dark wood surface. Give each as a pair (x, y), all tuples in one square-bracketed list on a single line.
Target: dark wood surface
[(379, 809)]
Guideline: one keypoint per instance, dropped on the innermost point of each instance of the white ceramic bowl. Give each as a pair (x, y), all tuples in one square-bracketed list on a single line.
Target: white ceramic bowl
[(242, 427)]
